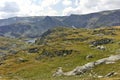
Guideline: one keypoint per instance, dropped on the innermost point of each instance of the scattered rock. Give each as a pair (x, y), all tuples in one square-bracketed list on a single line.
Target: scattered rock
[(89, 56), (22, 60), (102, 41), (100, 35), (91, 46), (13, 51), (110, 74), (63, 52), (82, 69), (33, 50), (59, 53), (1, 63), (4, 48), (101, 47), (110, 62), (44, 54), (100, 76), (59, 72)]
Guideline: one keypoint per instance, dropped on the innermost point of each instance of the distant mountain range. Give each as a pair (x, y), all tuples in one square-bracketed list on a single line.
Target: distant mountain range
[(35, 26)]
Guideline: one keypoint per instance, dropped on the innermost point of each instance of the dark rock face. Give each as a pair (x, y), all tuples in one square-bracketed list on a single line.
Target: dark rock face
[(33, 50), (41, 40), (13, 51), (1, 63), (60, 53), (63, 52), (4, 48), (45, 54), (102, 41)]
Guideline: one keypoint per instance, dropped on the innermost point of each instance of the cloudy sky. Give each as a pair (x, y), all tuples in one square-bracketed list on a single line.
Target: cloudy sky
[(11, 8)]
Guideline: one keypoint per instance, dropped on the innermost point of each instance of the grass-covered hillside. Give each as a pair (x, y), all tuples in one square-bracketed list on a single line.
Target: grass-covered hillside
[(61, 47)]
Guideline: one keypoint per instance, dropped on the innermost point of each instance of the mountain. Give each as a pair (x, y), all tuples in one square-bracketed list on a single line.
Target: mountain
[(95, 20), (36, 25)]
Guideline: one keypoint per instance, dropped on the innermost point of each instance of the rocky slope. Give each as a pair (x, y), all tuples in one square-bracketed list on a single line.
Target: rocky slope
[(66, 48)]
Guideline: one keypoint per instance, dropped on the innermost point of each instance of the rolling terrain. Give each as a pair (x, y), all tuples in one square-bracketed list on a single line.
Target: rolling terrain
[(61, 47)]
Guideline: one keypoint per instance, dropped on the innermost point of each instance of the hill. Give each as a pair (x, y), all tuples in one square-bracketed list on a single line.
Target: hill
[(66, 48)]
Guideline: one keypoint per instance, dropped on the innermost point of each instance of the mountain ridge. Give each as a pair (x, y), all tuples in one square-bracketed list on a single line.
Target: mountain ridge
[(40, 24)]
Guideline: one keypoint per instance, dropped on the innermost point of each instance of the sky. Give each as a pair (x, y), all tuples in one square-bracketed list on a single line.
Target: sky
[(22, 8)]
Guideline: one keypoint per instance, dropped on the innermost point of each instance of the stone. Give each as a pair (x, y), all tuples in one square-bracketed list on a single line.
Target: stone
[(91, 46), (110, 74), (101, 47), (13, 51), (100, 76), (60, 53), (1, 63), (33, 50), (59, 72), (109, 62), (63, 52), (89, 56), (102, 41), (82, 69), (22, 60)]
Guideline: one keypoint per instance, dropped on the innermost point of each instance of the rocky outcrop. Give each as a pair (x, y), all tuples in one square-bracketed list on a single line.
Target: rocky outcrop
[(13, 51), (20, 60), (59, 72), (102, 41), (89, 57), (33, 50), (63, 52), (101, 47), (60, 53), (82, 69)]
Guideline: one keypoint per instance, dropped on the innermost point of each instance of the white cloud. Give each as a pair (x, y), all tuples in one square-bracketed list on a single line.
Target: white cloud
[(10, 8), (67, 2), (27, 8), (48, 3), (70, 10), (90, 6)]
